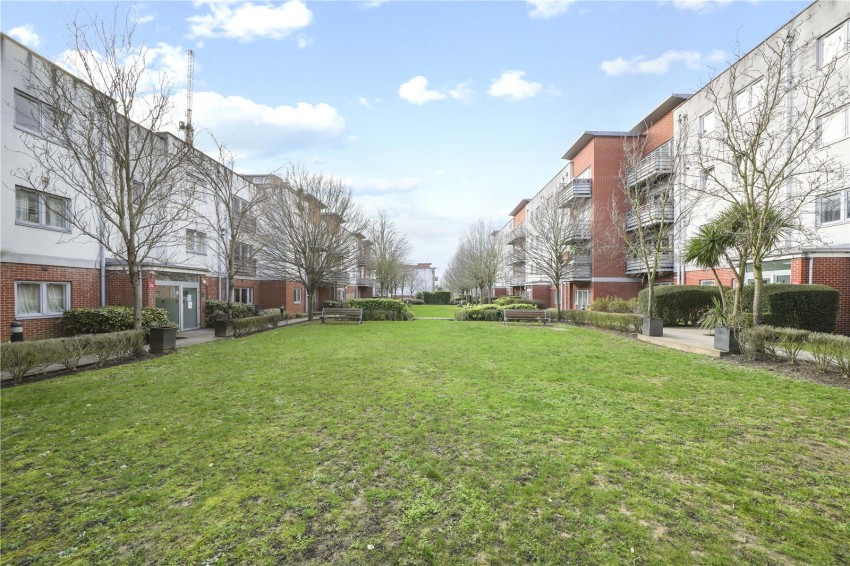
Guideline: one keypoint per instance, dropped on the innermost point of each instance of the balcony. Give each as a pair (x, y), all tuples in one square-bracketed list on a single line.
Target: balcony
[(578, 269), (579, 232), (575, 189), (634, 266), (367, 282), (363, 259), (247, 269), (515, 280), (657, 164), (649, 215), (517, 234), (517, 257)]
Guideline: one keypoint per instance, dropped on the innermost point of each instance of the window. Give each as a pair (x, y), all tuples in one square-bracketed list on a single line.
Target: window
[(242, 253), (196, 242), (833, 126), (582, 299), (834, 207), (39, 299), (29, 113), (244, 295), (42, 209), (706, 282), (834, 44), (748, 98), (297, 296), (706, 123), (705, 178)]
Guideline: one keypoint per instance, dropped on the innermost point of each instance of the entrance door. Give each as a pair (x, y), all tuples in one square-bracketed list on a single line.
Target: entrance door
[(190, 308), (168, 298)]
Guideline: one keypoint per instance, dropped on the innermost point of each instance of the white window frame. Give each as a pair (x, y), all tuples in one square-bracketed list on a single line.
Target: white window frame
[(706, 282), (584, 293), (703, 130), (747, 91), (843, 208), (196, 242), (42, 299), (39, 130), (843, 28), (42, 210), (296, 298), (842, 117), (240, 293)]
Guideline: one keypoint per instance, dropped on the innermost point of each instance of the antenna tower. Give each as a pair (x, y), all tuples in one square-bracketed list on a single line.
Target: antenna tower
[(190, 90)]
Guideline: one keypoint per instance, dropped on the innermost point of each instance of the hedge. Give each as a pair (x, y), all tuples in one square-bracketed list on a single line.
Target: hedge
[(614, 304), (251, 324), (110, 319), (19, 358), (488, 312), (679, 305), (435, 298), (512, 300), (808, 307), (828, 350), (621, 322), (213, 309), (393, 305)]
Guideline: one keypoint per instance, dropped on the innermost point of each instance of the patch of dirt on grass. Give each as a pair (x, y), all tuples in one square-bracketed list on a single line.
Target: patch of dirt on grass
[(802, 370)]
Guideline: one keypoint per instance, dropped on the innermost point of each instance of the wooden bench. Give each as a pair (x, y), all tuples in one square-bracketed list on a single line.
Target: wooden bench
[(352, 315), (526, 315)]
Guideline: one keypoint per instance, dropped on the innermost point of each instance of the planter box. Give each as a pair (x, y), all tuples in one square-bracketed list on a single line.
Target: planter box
[(652, 327), (223, 328), (726, 340), (163, 340)]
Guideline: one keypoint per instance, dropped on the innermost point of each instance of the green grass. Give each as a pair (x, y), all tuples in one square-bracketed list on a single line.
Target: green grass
[(429, 441), (446, 311)]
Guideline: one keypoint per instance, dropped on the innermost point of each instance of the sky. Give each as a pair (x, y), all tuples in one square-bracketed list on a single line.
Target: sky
[(440, 112)]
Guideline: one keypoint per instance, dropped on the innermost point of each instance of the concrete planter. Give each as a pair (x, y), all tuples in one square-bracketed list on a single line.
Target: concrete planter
[(726, 340), (652, 327), (163, 339), (223, 328)]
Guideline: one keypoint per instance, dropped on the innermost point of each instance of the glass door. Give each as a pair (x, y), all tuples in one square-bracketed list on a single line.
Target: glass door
[(168, 298), (190, 308)]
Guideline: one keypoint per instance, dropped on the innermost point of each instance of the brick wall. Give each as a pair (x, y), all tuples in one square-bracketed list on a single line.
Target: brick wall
[(835, 272), (85, 292)]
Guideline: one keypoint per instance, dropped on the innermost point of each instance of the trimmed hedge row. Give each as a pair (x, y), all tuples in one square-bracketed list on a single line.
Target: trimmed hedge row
[(489, 313), (394, 305), (214, 309), (19, 358), (512, 300), (621, 322), (110, 319), (808, 307), (435, 298), (679, 305), (251, 324), (614, 304), (776, 343)]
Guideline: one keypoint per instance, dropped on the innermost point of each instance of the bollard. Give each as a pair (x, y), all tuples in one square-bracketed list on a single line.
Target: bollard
[(17, 331)]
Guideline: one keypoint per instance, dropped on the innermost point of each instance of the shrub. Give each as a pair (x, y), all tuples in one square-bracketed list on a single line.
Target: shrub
[(756, 341), (110, 319), (792, 341), (379, 315), (829, 350), (621, 322), (19, 358), (808, 307), (614, 304), (435, 298), (679, 304), (251, 324), (214, 309), (394, 305), (415, 302)]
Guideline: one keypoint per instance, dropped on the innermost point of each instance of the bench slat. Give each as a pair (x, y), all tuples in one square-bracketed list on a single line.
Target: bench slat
[(525, 315), (343, 314)]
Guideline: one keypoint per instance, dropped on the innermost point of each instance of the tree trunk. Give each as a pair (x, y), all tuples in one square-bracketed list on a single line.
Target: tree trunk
[(309, 299), (558, 302), (650, 298), (722, 290), (757, 292), (135, 278)]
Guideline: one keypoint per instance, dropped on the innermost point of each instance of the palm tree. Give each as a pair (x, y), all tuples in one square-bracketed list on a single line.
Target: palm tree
[(708, 246)]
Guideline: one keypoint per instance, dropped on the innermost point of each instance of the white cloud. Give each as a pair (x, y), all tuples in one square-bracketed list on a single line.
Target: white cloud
[(512, 85), (380, 186), (246, 21), (303, 41), (700, 6), (142, 20), (545, 9), (372, 3), (415, 91), (693, 60), (26, 35), (364, 101), (463, 91)]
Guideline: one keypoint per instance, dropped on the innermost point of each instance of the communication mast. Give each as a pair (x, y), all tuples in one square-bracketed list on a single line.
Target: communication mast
[(190, 88)]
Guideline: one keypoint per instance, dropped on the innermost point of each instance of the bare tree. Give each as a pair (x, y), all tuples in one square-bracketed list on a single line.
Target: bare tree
[(413, 279), (95, 139), (763, 154), (235, 204), (482, 254), (306, 229), (389, 251), (643, 211)]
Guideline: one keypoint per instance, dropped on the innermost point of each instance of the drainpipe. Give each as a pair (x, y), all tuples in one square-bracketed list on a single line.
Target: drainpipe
[(102, 261), (811, 268)]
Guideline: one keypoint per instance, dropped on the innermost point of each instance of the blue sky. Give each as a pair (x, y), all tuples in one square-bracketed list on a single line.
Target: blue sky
[(439, 112)]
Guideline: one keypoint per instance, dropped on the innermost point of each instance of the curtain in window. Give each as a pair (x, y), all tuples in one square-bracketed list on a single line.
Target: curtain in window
[(26, 206), (55, 211), (56, 298), (28, 298)]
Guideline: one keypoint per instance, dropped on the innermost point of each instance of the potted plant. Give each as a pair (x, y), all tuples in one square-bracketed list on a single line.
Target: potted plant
[(651, 326), (163, 339), (723, 326), (224, 327)]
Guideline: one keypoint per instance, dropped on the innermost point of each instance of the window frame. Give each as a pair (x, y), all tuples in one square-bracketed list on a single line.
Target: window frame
[(198, 240), (42, 210), (820, 141), (41, 130), (42, 299), (584, 292), (702, 129), (842, 27), (706, 282), (748, 90), (297, 296), (247, 291), (843, 208)]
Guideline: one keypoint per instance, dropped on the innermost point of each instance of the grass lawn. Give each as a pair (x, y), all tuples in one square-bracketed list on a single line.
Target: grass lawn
[(426, 441), (447, 311)]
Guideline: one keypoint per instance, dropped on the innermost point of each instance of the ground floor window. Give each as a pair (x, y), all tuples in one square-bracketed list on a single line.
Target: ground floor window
[(243, 295), (582, 299), (706, 282), (34, 299), (297, 297)]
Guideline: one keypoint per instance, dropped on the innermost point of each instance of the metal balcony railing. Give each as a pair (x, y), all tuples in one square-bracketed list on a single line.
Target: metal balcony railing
[(635, 266), (579, 232), (517, 257), (366, 282), (658, 163), (649, 215), (248, 268), (575, 189), (517, 234), (578, 269)]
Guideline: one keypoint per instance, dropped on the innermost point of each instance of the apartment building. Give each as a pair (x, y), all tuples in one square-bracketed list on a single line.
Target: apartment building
[(819, 250)]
